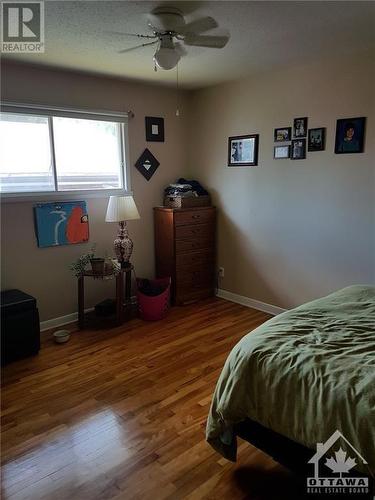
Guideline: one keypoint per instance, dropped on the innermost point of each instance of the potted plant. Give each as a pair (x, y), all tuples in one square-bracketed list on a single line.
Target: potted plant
[(78, 267), (100, 266)]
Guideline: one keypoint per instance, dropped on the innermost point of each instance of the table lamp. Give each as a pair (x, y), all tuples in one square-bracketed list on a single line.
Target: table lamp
[(120, 209)]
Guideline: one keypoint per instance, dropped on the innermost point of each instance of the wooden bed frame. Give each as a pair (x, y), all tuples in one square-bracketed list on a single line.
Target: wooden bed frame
[(292, 455)]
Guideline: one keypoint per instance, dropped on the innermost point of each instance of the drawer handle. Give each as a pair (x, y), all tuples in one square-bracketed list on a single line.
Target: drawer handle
[(196, 216)]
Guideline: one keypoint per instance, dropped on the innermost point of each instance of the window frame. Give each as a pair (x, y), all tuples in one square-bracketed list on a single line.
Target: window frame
[(99, 115)]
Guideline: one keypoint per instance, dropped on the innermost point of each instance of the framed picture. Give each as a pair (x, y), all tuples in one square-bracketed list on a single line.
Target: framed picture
[(316, 139), (154, 129), (299, 127), (243, 150), (350, 135), (281, 152), (283, 134), (147, 164), (298, 149), (61, 223)]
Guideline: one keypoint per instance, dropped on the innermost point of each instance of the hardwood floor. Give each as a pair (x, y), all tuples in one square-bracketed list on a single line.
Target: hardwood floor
[(120, 414)]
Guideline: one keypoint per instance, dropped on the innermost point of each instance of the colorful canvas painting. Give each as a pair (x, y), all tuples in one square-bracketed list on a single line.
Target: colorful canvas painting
[(61, 223)]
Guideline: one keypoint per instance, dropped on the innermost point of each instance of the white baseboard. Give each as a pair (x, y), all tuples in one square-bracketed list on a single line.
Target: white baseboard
[(246, 301), (224, 294), (61, 320), (68, 318)]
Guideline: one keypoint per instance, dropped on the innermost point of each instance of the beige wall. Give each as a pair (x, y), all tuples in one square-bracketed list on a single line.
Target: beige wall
[(44, 272), (290, 231)]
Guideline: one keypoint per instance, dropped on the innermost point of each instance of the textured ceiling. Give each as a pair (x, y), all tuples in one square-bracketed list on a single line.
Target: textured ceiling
[(264, 35)]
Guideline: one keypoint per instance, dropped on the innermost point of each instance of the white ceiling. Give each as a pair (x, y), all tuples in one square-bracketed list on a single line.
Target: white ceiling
[(264, 35)]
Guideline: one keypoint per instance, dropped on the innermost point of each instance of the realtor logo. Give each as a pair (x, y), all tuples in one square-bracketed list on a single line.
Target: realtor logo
[(332, 465), (22, 27)]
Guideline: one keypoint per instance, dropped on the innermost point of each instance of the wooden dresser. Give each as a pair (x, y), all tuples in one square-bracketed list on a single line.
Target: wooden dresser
[(185, 250)]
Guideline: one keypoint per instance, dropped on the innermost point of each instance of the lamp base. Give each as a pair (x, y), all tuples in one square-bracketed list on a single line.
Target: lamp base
[(125, 265), (123, 245)]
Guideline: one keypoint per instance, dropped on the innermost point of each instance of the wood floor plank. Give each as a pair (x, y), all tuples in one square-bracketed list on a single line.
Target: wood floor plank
[(121, 413)]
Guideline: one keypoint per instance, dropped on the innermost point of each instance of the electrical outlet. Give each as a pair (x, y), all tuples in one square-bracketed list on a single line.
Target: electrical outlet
[(221, 272)]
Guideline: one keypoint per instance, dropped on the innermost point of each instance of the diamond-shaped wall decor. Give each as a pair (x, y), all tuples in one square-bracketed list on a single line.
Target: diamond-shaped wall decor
[(147, 164)]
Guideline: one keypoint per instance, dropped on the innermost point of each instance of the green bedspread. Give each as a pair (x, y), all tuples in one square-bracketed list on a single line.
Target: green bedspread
[(304, 374)]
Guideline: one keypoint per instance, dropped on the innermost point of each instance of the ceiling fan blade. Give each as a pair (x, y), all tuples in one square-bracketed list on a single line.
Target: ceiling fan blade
[(198, 26), (180, 49), (123, 51), (120, 33), (216, 42)]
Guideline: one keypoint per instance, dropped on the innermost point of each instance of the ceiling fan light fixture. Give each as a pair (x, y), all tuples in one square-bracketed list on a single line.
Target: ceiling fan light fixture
[(166, 58), (171, 32)]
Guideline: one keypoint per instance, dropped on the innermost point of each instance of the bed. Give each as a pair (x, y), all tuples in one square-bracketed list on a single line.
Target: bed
[(298, 378)]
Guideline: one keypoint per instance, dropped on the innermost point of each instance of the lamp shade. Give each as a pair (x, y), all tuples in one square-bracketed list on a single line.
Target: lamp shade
[(121, 208)]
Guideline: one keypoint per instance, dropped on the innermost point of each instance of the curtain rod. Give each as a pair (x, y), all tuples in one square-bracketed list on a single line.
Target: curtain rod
[(44, 107)]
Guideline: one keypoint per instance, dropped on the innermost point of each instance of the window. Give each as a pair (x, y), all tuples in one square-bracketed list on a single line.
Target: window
[(59, 152), (25, 154)]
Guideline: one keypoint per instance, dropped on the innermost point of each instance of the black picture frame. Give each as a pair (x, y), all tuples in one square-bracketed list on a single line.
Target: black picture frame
[(154, 129), (147, 164), (277, 156), (298, 149), (282, 134), (350, 135), (300, 127), (243, 150), (316, 139)]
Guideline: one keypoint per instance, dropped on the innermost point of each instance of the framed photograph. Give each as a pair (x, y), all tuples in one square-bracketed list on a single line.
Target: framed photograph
[(298, 149), (316, 139), (281, 152), (350, 135), (243, 150), (283, 134), (299, 127), (154, 129)]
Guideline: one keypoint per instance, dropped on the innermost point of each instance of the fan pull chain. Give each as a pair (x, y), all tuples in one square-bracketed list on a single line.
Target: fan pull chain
[(177, 110)]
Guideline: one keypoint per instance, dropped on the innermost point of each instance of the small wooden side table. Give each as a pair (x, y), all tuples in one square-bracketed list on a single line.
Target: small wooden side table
[(123, 297)]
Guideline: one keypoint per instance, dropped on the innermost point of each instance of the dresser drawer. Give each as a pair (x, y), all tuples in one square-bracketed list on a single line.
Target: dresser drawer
[(195, 277), (194, 258), (197, 243), (194, 217), (194, 232), (185, 296)]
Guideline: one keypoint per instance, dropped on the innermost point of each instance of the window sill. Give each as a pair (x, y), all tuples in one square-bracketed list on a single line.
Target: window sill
[(61, 195)]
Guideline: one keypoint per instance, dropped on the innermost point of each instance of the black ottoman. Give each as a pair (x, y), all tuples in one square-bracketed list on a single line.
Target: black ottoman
[(20, 330)]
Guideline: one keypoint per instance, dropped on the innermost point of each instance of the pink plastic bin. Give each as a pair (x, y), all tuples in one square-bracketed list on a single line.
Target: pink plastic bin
[(154, 308)]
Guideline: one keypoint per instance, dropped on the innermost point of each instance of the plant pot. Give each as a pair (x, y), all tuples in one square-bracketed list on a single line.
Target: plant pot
[(97, 265)]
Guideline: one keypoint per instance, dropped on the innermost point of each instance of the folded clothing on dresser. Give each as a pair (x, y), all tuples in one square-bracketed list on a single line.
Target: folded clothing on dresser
[(184, 190)]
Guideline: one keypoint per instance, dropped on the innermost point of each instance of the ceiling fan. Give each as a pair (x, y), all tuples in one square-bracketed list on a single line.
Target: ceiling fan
[(170, 33)]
